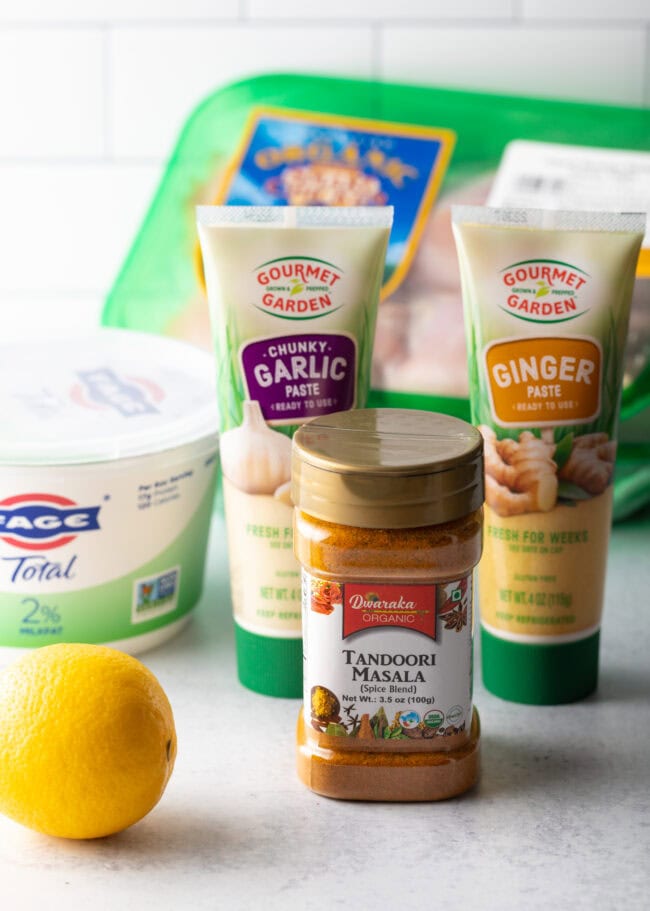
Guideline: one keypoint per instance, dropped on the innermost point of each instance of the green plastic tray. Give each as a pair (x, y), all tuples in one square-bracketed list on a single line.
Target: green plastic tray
[(159, 275)]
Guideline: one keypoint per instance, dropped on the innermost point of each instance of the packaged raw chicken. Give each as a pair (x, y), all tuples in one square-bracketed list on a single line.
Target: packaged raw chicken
[(294, 140)]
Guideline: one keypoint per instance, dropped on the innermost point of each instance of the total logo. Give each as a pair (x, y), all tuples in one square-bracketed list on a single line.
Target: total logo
[(103, 389), (43, 521)]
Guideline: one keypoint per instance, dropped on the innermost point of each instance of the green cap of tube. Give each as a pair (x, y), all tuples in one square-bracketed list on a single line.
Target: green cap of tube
[(540, 674), (269, 665)]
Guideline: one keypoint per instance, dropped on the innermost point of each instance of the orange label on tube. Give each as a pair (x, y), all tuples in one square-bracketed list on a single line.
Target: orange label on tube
[(538, 381)]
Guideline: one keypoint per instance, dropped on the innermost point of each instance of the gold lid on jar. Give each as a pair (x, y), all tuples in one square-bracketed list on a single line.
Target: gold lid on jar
[(387, 468)]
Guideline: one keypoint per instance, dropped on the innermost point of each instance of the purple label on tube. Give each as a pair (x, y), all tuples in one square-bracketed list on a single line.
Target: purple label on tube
[(297, 377)]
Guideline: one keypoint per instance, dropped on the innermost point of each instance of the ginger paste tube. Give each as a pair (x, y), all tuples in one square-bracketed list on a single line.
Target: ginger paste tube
[(293, 295), (547, 300)]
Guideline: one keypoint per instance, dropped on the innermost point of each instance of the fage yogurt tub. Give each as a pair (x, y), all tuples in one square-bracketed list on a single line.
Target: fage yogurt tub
[(108, 457)]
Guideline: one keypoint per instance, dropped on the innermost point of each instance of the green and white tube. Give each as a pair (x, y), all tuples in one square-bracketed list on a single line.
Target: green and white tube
[(547, 300), (293, 296)]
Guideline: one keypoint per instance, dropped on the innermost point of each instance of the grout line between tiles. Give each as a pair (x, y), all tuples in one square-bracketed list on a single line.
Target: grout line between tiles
[(376, 50), (33, 295), (646, 91), (69, 161), (107, 74), (244, 20)]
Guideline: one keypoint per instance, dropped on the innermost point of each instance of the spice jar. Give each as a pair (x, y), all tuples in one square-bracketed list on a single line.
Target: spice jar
[(388, 511)]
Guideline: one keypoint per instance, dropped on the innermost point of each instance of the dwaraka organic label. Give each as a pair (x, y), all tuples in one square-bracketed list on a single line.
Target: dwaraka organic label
[(412, 607), (387, 662)]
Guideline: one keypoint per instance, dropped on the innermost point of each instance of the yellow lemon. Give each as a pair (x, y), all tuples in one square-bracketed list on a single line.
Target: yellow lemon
[(87, 741)]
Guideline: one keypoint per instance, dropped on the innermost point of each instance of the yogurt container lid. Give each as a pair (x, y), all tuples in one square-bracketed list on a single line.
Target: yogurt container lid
[(104, 396)]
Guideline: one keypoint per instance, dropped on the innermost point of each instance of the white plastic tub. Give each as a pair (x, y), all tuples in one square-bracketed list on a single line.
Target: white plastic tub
[(108, 455)]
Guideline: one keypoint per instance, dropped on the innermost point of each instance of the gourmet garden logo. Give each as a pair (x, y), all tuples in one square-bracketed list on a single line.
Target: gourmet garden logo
[(43, 521), (544, 291), (297, 287)]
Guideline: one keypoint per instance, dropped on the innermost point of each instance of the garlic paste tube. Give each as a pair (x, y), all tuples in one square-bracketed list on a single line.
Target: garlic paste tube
[(293, 294), (547, 300)]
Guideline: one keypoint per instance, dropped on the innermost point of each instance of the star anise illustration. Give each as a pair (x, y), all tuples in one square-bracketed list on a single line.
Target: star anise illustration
[(456, 619), (353, 717)]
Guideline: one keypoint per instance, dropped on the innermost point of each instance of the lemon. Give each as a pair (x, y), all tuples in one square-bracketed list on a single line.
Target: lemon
[(87, 741)]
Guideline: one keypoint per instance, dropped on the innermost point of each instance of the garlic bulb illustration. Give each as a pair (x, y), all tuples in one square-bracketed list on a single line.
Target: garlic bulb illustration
[(255, 458)]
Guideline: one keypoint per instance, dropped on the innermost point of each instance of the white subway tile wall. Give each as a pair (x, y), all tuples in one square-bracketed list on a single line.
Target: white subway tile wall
[(159, 75), (585, 64), (118, 11), (380, 10), (52, 97), (93, 94), (579, 10), (65, 226)]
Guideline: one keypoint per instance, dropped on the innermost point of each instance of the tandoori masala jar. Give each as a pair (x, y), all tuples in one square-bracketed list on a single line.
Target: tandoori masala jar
[(388, 511)]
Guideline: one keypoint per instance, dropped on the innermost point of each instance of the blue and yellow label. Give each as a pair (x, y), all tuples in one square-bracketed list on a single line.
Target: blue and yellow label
[(304, 159)]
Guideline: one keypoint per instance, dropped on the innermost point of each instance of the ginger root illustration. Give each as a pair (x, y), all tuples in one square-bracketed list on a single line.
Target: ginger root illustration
[(591, 463), (520, 477), (532, 474)]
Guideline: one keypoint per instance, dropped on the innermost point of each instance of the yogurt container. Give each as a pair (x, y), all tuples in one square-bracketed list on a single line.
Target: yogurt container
[(108, 455)]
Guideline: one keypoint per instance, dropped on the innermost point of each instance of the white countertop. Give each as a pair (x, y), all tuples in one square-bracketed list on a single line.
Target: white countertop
[(560, 819)]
